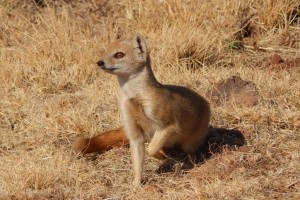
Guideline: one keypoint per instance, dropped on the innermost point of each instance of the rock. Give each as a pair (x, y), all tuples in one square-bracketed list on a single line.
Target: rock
[(235, 91), (292, 63), (277, 63), (275, 59)]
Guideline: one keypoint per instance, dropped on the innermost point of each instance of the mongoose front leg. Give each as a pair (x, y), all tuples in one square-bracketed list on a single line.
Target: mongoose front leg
[(137, 149), (136, 138)]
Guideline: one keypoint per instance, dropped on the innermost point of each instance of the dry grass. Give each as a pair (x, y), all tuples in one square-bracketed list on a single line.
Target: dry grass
[(52, 92)]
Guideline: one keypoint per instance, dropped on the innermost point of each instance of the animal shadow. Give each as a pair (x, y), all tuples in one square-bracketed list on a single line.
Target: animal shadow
[(216, 141)]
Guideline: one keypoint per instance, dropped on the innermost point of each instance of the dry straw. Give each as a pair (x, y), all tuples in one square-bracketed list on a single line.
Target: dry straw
[(52, 92)]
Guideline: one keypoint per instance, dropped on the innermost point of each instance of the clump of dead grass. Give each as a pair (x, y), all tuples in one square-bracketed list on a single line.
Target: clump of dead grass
[(51, 92)]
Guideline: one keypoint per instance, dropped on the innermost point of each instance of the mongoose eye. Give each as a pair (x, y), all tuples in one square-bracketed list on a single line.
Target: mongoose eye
[(119, 55)]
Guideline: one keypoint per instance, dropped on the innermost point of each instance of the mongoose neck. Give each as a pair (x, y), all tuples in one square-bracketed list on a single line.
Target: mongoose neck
[(138, 83)]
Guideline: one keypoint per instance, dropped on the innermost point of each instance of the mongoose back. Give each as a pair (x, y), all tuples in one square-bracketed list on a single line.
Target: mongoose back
[(163, 115)]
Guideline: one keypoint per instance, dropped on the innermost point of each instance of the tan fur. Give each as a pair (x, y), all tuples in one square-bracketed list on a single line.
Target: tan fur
[(164, 115)]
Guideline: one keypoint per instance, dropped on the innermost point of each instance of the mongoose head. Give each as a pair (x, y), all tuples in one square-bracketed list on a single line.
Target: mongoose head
[(125, 57)]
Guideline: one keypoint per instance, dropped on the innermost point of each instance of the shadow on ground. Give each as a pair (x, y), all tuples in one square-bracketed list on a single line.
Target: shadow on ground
[(218, 139)]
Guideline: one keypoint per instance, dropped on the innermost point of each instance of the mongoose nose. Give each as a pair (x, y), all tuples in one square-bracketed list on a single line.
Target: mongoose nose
[(100, 63)]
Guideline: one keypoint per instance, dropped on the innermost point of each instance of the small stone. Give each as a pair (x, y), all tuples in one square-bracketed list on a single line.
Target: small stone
[(275, 59), (152, 189)]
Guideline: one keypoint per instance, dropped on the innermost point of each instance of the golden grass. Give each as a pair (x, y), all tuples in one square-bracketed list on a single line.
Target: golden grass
[(52, 92)]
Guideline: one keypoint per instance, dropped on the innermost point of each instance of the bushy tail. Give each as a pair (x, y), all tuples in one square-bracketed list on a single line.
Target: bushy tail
[(102, 142)]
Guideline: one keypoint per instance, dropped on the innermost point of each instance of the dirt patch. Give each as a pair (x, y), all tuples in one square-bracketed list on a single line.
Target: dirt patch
[(234, 90)]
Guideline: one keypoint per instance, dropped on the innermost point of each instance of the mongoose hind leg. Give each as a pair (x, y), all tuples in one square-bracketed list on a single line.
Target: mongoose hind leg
[(161, 139)]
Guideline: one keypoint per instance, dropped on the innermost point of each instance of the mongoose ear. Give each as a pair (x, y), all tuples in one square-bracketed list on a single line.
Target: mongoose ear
[(140, 42)]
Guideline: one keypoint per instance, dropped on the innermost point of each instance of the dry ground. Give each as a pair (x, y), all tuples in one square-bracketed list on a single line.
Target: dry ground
[(52, 92)]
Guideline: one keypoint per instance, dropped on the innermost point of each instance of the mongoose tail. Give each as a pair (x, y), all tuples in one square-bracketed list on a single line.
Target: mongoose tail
[(101, 142)]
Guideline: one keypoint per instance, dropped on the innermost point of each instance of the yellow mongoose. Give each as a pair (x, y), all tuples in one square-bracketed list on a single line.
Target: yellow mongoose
[(164, 115)]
